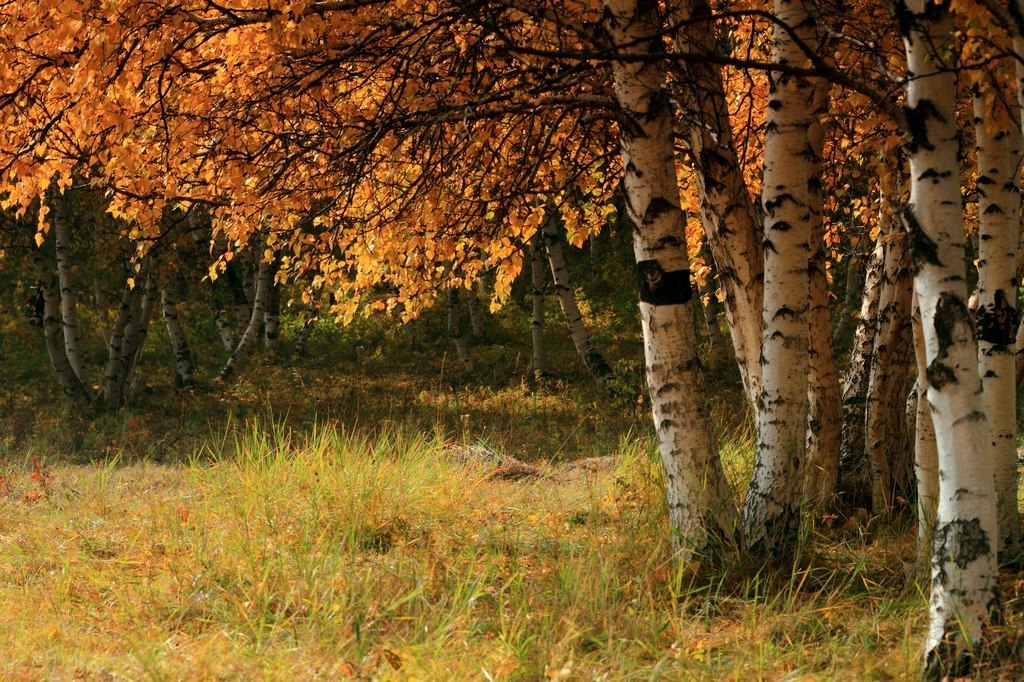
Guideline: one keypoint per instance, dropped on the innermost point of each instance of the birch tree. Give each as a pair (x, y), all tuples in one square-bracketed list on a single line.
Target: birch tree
[(771, 513), (700, 506), (999, 157), (592, 358), (965, 582)]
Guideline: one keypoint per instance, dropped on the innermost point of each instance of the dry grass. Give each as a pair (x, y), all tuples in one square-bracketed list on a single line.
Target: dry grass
[(330, 554)]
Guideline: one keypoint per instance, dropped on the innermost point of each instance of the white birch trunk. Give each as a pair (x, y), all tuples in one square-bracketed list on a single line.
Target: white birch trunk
[(537, 281), (476, 313), (854, 477), (183, 365), (140, 332), (123, 337), (825, 420), (457, 332), (771, 513), (999, 158), (926, 454), (851, 301), (701, 509), (727, 210), (68, 296), (592, 358), (887, 442), (49, 288), (965, 579), (223, 324), (272, 316), (307, 329), (264, 281)]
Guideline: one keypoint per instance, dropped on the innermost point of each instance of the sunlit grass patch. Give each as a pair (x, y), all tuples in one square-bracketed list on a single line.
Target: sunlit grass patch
[(335, 552)]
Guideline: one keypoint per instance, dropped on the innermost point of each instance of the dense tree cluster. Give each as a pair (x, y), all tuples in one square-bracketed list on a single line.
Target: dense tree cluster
[(382, 155)]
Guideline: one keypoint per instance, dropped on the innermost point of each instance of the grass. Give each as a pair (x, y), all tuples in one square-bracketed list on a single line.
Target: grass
[(338, 553)]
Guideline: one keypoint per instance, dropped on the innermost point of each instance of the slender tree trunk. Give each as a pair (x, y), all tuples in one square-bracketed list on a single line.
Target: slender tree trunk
[(887, 442), (183, 365), (771, 513), (264, 281), (926, 454), (999, 158), (68, 295), (965, 579), (854, 478), (718, 352), (272, 316), (240, 302), (701, 510), (53, 330), (825, 418), (537, 281), (592, 358), (851, 301), (727, 209), (123, 339), (476, 313), (457, 331), (307, 329), (140, 332)]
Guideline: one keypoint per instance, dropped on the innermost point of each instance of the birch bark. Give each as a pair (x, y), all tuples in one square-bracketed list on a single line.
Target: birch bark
[(592, 358), (250, 335), (53, 328), (727, 209), (999, 158), (771, 513), (965, 580), (537, 281), (701, 510), (68, 295), (887, 442), (824, 420), (183, 365), (854, 477)]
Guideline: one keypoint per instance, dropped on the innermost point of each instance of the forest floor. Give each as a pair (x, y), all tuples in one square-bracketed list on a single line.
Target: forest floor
[(368, 512)]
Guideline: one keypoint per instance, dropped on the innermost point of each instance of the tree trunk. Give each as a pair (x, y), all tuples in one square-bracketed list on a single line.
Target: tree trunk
[(926, 454), (307, 329), (457, 331), (701, 510), (965, 579), (53, 328), (999, 157), (239, 300), (592, 358), (717, 351), (727, 209), (264, 282), (771, 513), (537, 281), (851, 301), (887, 442), (139, 333), (124, 337), (825, 420), (183, 365), (68, 296), (476, 313), (272, 316), (854, 479)]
